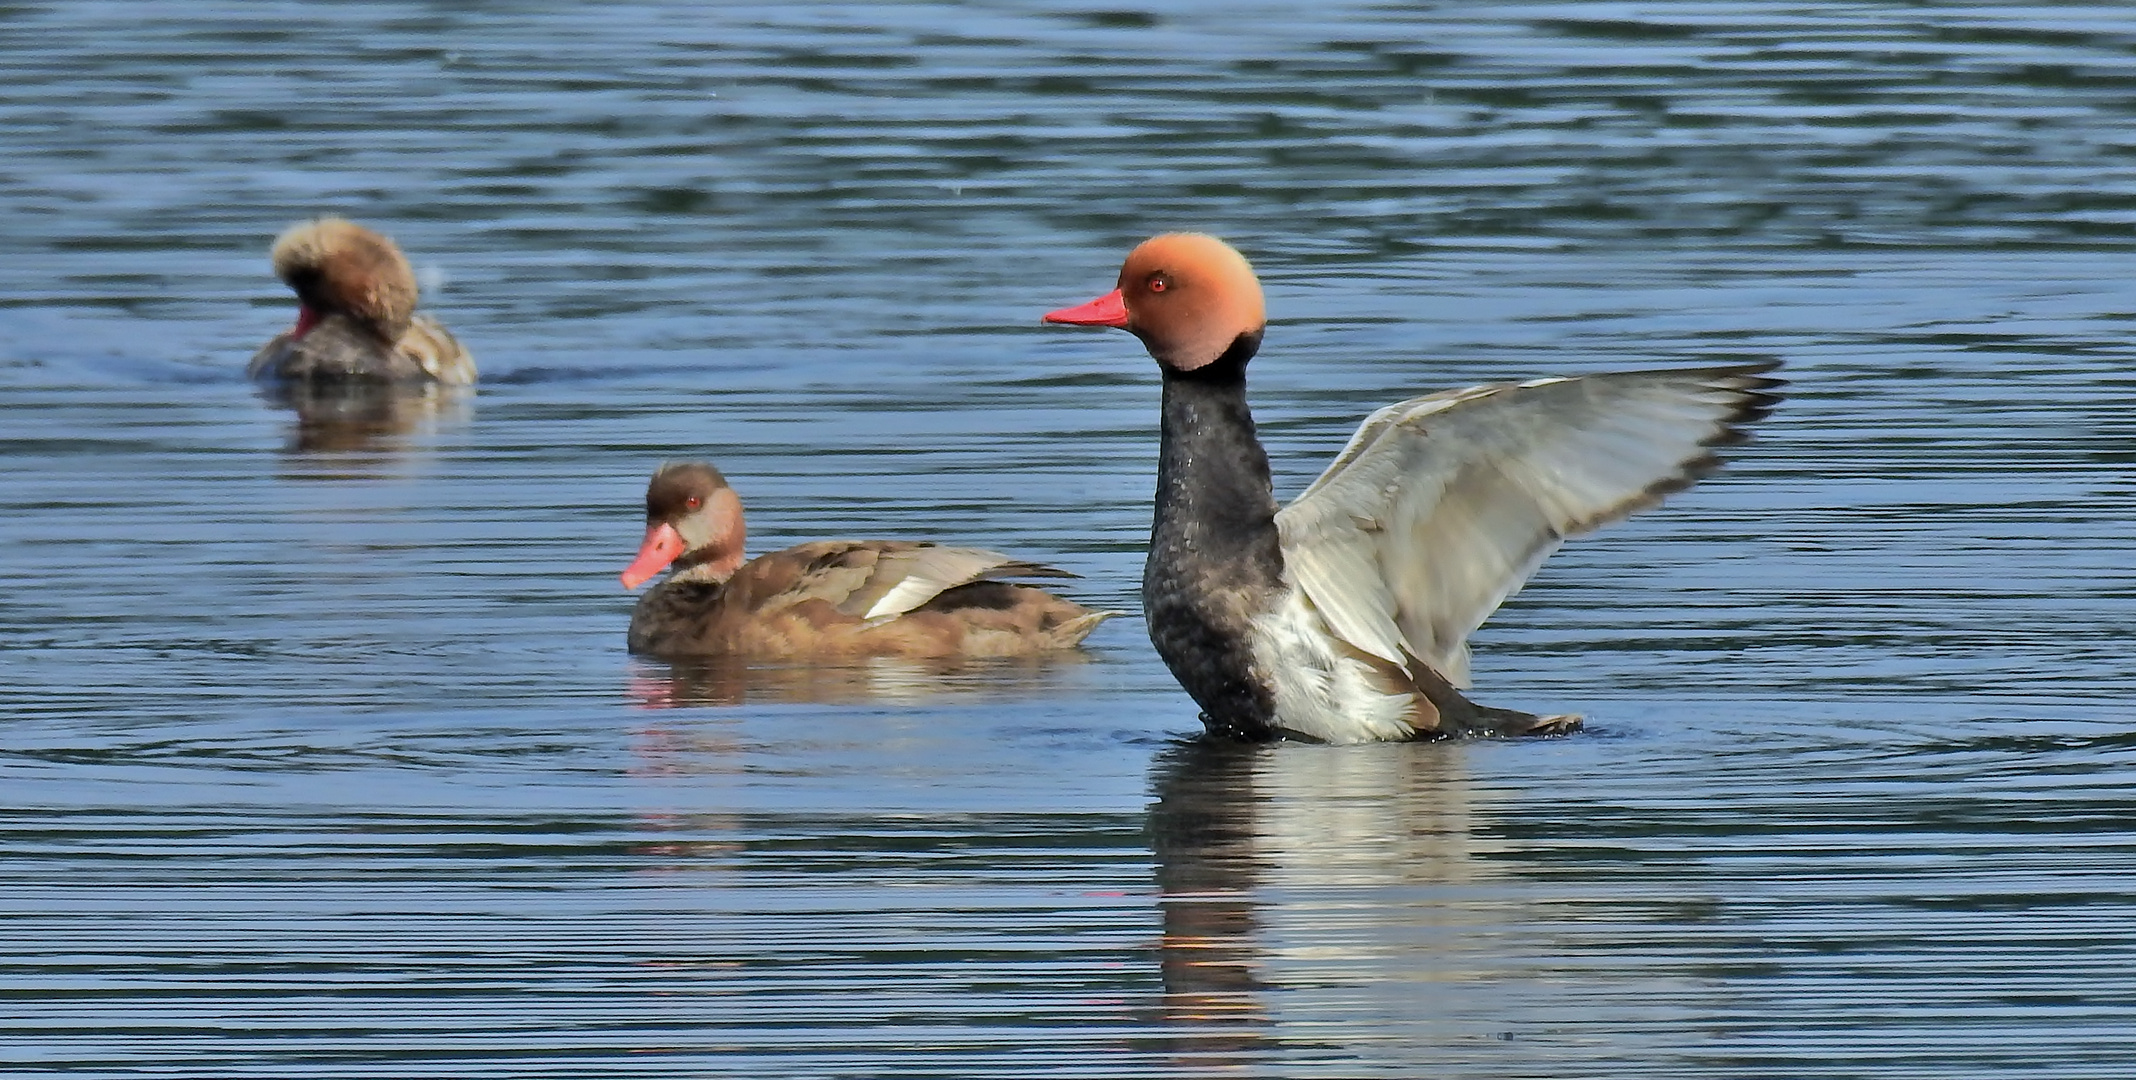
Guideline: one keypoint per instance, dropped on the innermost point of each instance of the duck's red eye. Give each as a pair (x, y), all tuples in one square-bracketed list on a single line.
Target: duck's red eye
[(1159, 284), (693, 502)]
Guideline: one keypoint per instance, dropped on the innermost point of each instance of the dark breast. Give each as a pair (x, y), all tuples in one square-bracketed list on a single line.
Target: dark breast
[(675, 618), (1201, 621)]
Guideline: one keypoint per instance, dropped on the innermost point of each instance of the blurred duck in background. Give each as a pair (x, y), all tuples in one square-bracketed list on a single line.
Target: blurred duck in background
[(356, 319)]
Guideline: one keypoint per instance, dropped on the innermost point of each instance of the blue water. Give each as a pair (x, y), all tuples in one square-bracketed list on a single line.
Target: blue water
[(321, 755)]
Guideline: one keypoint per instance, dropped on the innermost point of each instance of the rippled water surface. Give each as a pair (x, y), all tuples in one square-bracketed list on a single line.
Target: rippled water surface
[(322, 756)]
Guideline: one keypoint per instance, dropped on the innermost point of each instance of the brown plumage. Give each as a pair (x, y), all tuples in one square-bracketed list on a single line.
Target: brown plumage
[(832, 598), (356, 317)]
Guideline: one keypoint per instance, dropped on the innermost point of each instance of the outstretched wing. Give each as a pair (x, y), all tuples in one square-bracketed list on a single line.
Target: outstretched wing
[(1444, 505)]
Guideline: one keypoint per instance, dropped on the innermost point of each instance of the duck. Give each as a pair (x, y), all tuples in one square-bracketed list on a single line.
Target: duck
[(1344, 616), (828, 599), (356, 318)]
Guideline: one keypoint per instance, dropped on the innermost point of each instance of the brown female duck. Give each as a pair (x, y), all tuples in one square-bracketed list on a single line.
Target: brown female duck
[(356, 319), (1344, 616), (833, 598)]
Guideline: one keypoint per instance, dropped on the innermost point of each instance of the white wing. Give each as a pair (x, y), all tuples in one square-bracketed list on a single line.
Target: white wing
[(1444, 505)]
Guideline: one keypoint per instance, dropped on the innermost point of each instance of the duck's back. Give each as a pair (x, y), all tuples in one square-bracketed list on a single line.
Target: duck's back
[(858, 598)]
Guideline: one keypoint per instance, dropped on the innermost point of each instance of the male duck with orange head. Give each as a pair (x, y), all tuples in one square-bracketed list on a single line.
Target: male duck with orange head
[(1344, 617)]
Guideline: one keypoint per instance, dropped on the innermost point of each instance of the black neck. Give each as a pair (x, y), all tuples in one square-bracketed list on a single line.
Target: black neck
[(1215, 502), (1215, 562)]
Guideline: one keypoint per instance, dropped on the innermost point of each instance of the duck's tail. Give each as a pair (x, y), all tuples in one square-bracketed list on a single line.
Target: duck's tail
[(1458, 716), (1069, 633)]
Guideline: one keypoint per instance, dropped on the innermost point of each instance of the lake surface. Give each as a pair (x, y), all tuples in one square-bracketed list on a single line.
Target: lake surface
[(321, 755)]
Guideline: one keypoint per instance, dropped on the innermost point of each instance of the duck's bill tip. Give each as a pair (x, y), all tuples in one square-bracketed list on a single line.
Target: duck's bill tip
[(1107, 310), (662, 545)]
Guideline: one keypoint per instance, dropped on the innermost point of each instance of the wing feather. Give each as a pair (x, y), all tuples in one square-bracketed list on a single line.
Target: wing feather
[(906, 577), (1441, 507)]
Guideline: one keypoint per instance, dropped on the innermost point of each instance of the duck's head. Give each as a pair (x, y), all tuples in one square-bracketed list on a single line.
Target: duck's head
[(1190, 298), (693, 520), (341, 268)]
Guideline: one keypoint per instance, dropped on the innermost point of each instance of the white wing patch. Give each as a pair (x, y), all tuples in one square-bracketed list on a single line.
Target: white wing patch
[(1324, 690), (928, 571)]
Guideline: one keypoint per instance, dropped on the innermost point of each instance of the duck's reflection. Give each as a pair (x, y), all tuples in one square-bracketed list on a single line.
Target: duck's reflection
[(366, 417), (1287, 865), (1208, 865), (886, 679)]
